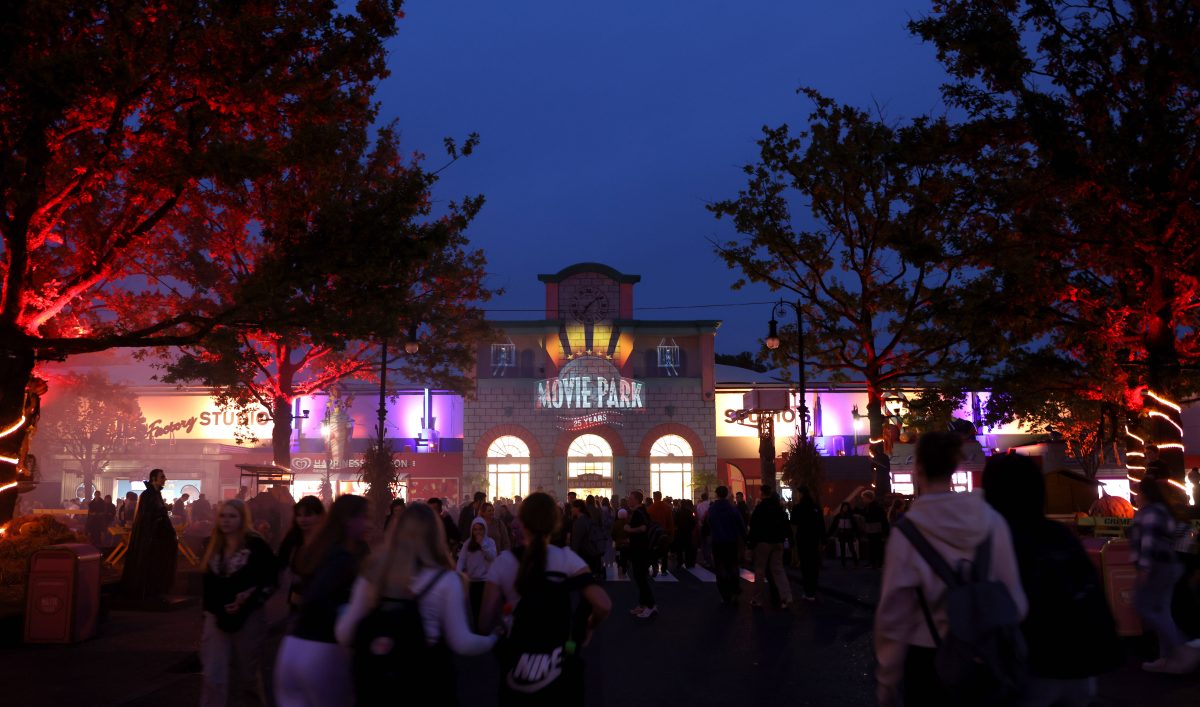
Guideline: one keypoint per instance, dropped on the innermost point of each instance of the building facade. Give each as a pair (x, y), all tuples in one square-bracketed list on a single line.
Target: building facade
[(591, 400)]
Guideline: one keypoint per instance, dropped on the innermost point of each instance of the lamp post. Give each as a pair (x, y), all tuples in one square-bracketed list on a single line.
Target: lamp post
[(773, 342), (411, 346)]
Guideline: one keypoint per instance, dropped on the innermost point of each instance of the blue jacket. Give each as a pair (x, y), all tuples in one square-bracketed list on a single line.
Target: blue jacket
[(724, 522)]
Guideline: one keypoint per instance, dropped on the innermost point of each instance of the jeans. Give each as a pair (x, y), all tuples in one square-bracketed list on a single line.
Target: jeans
[(639, 569), (770, 556), (312, 674), (1152, 599), (232, 661), (725, 567)]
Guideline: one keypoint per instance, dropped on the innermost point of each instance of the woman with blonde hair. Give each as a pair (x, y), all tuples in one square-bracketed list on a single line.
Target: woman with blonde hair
[(407, 612), (239, 575)]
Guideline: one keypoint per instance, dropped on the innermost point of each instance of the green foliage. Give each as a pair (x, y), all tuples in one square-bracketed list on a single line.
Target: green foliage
[(380, 474), (803, 467)]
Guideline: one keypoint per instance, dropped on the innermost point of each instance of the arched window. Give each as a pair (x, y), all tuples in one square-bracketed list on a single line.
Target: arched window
[(590, 466), (508, 467), (671, 466)]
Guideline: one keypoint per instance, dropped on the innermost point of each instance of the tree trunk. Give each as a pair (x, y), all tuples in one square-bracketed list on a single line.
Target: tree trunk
[(281, 431), (881, 460), (1163, 370), (16, 373)]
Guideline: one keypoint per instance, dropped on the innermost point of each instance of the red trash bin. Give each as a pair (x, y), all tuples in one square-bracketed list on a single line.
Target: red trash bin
[(1120, 582), (62, 598)]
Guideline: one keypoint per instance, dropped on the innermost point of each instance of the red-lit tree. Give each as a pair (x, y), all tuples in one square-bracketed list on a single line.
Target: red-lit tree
[(878, 265), (360, 259), (128, 133), (1092, 105)]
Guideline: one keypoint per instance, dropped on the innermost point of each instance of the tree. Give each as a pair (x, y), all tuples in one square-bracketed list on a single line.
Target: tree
[(1092, 107), (128, 130), (744, 359), (879, 275), (359, 259), (92, 420), (803, 468)]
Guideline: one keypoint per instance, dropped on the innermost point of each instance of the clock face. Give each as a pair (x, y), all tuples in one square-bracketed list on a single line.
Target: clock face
[(589, 305)]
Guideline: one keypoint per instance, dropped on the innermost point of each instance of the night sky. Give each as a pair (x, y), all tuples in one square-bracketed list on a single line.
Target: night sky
[(606, 127)]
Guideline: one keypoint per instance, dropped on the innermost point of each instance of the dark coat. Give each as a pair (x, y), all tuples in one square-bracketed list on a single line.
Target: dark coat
[(769, 522), (150, 563)]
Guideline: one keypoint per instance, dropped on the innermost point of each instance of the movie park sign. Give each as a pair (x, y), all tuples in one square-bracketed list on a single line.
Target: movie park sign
[(590, 392)]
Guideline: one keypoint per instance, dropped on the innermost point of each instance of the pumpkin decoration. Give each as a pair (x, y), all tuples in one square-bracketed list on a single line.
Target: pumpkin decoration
[(1111, 507)]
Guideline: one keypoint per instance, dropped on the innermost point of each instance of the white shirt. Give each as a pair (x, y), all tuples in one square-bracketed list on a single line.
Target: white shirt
[(504, 570), (476, 564), (702, 510), (443, 613)]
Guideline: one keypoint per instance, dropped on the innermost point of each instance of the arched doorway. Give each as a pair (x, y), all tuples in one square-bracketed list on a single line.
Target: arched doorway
[(508, 467), (737, 480), (590, 466), (671, 466)]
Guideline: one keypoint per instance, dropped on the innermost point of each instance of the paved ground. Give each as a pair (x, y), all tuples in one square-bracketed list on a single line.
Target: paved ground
[(696, 652)]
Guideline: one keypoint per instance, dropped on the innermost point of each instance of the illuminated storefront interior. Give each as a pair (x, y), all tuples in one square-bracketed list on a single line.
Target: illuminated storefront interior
[(671, 467), (589, 466), (508, 468)]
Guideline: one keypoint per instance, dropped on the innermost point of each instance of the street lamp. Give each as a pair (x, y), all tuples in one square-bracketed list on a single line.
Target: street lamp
[(411, 346), (772, 341)]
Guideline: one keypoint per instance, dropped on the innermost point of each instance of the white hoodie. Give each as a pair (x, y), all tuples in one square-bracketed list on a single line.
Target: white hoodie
[(955, 524), (476, 564)]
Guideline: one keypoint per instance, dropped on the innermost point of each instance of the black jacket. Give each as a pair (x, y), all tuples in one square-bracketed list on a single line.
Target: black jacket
[(257, 572), (769, 522)]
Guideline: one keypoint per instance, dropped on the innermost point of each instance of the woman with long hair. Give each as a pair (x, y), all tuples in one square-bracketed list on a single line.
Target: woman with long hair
[(239, 575), (544, 574), (1157, 527), (312, 670), (845, 528), (415, 566)]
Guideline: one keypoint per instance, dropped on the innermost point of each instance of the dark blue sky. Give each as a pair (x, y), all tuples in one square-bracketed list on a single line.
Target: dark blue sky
[(606, 127)]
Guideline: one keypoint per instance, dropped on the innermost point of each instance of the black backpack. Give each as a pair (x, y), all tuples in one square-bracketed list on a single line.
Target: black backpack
[(982, 659), (390, 649), (539, 659)]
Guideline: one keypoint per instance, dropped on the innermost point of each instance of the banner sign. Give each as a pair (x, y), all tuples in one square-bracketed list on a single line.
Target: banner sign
[(593, 388)]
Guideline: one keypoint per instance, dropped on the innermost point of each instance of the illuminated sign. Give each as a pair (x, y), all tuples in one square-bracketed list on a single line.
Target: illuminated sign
[(593, 388), (199, 417)]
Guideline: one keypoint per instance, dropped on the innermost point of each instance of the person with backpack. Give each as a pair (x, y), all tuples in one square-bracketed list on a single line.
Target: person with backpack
[(406, 614), (311, 669), (1157, 528), (727, 529), (1069, 630), (475, 560), (532, 591), (947, 626), (768, 530)]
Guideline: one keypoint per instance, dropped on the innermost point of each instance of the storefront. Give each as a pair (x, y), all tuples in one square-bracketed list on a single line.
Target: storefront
[(589, 399)]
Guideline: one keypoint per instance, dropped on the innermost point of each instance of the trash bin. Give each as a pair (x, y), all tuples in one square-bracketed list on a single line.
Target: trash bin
[(62, 598), (1120, 580)]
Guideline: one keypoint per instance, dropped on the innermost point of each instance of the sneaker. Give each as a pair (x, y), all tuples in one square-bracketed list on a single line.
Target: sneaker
[(648, 612), (636, 610)]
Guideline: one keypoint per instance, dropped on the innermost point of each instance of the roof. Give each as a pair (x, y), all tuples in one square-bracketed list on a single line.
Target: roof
[(599, 268)]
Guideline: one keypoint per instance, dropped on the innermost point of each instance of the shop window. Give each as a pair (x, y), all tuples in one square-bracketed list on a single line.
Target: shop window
[(671, 466), (961, 482), (508, 467), (668, 357), (902, 483), (590, 466), (504, 356)]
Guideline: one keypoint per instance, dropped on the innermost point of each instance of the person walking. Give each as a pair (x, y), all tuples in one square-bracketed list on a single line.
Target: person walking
[(875, 528), (703, 541), (97, 514), (845, 527), (413, 567), (639, 555), (497, 529), (312, 670), (809, 529), (538, 584), (1157, 527), (727, 530), (239, 576), (955, 525), (768, 530), (662, 513), (1069, 630), (307, 515), (474, 561)]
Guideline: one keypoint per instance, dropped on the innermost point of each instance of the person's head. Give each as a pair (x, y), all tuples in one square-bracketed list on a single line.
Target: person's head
[(704, 496), (1015, 487), (487, 511), (657, 496), (97, 495), (184, 498), (233, 522), (157, 479), (478, 532), (590, 500), (345, 526), (802, 494), (844, 508), (436, 505), (571, 496), (938, 454), (722, 492), (131, 497), (539, 517), (479, 497), (108, 498), (578, 508), (767, 490), (415, 541), (635, 499), (1162, 492), (307, 514), (604, 502), (739, 496), (201, 498)]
